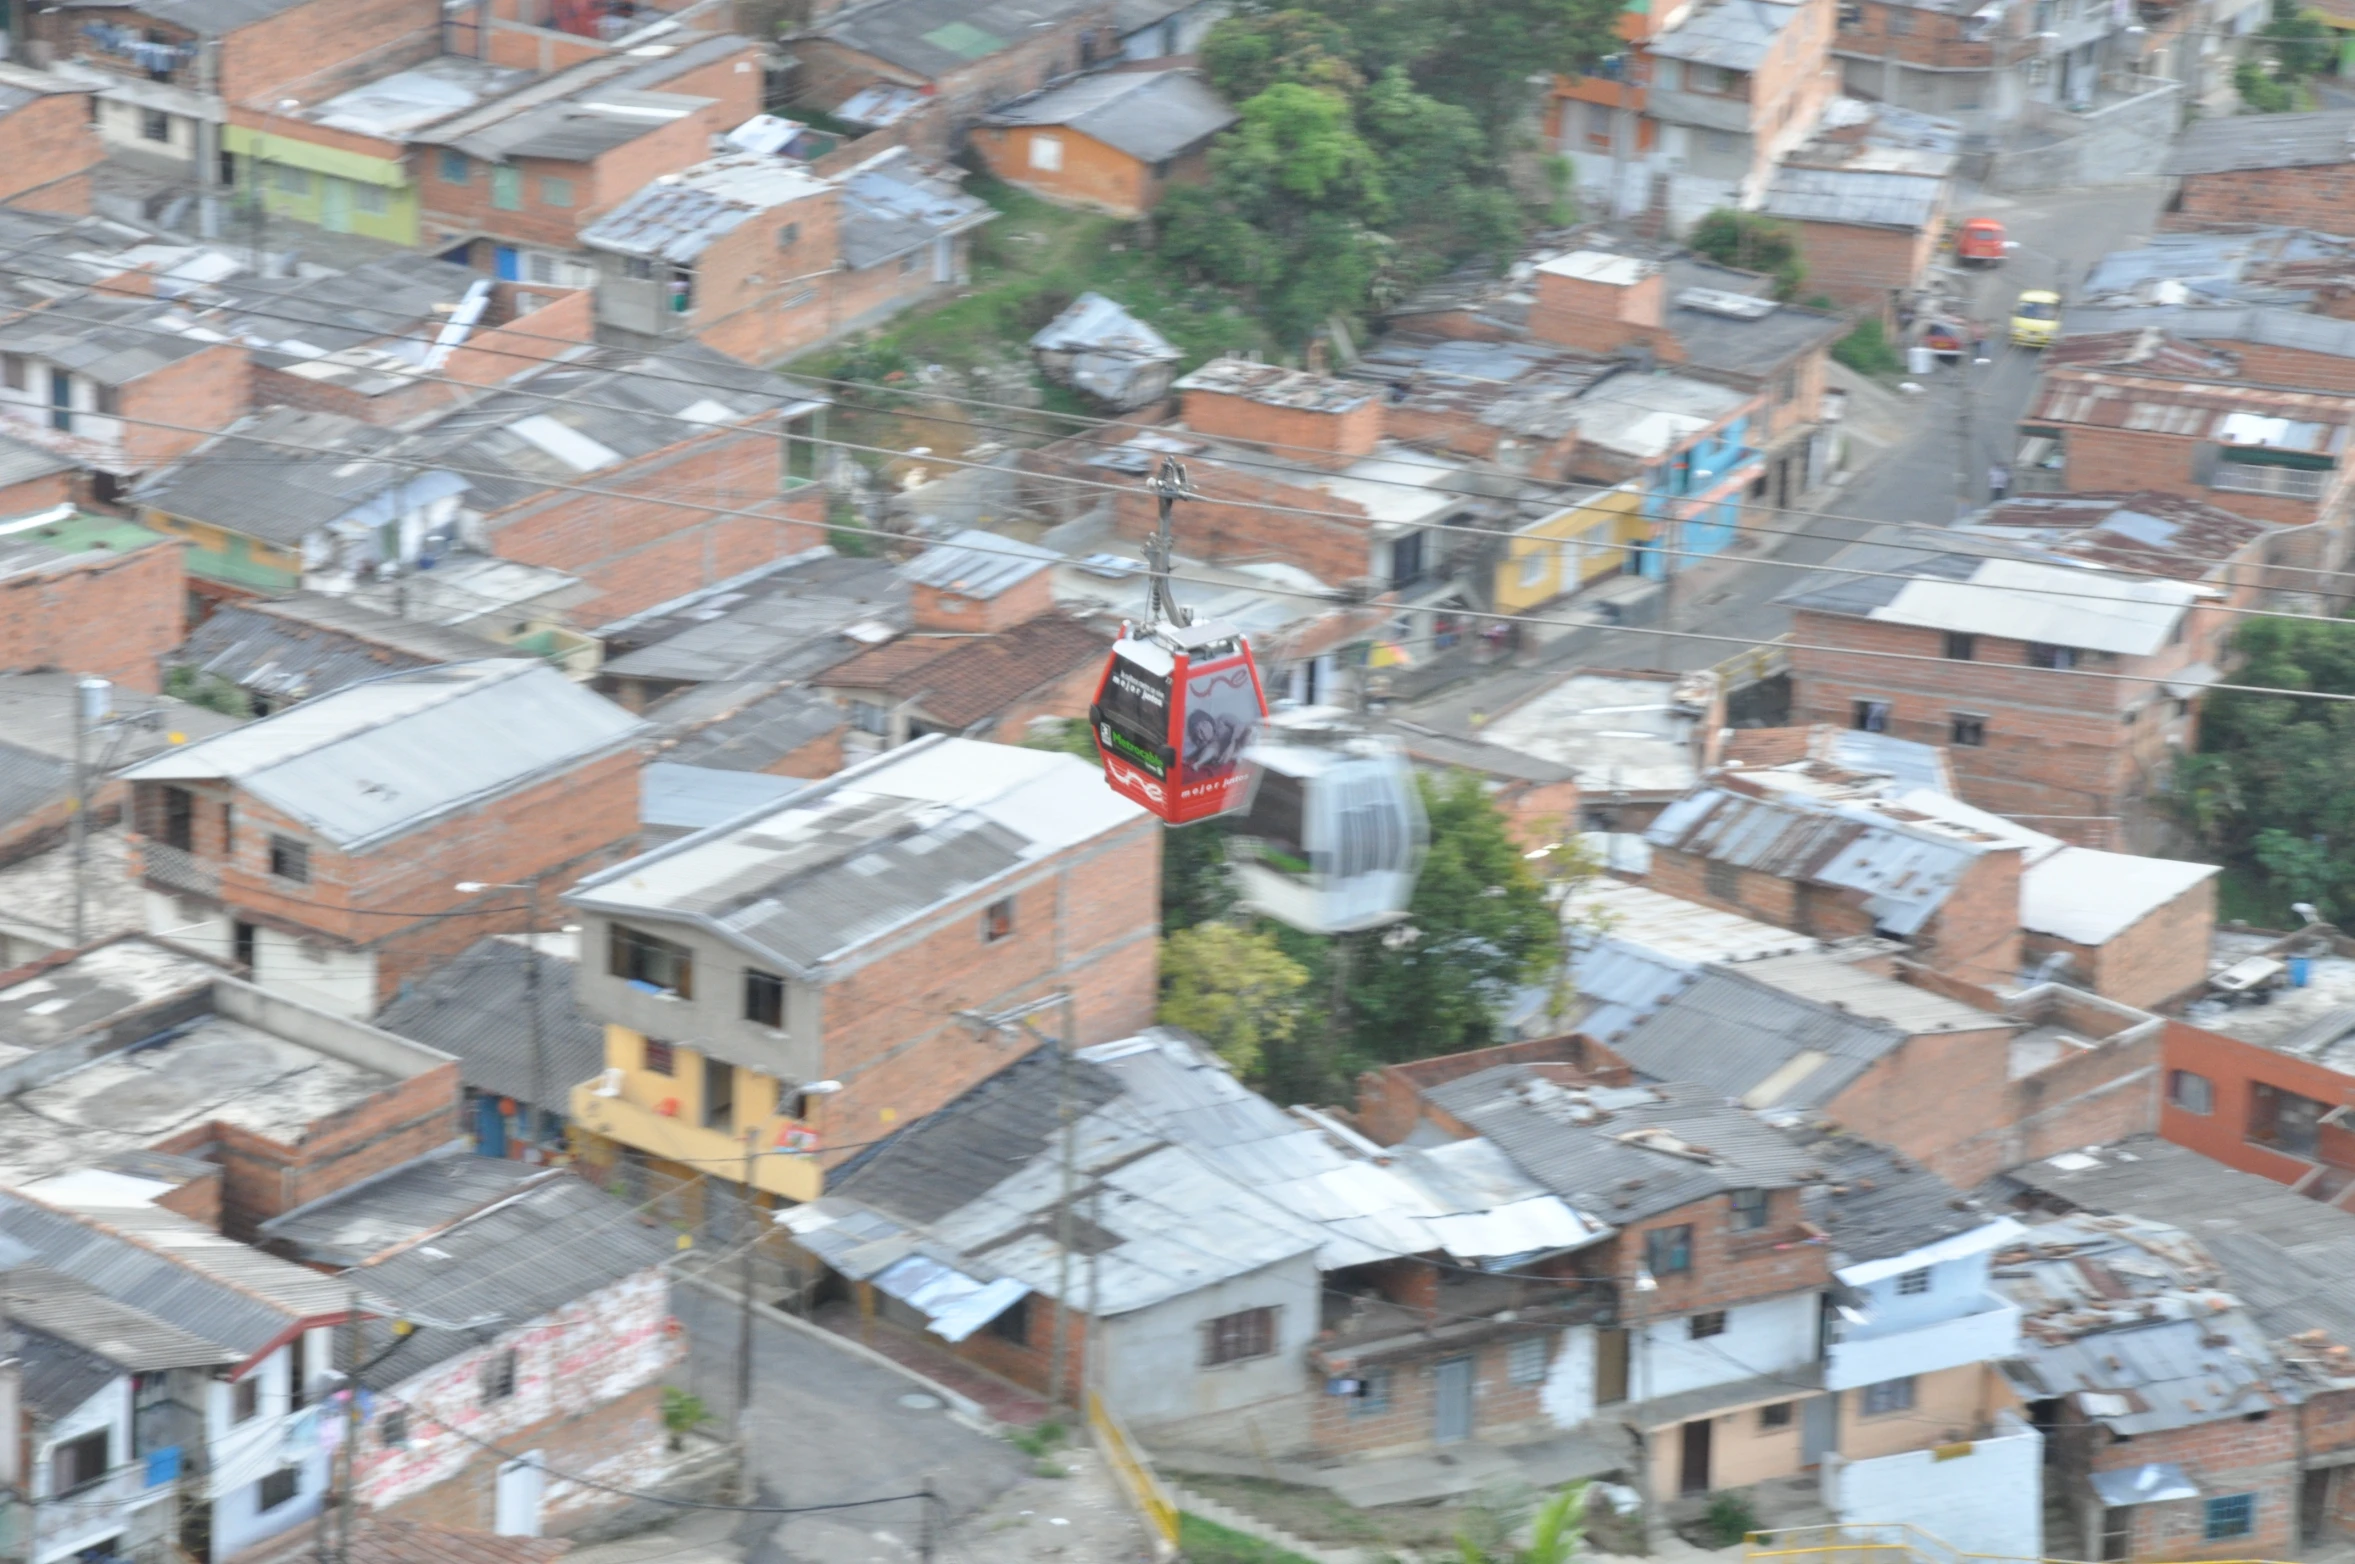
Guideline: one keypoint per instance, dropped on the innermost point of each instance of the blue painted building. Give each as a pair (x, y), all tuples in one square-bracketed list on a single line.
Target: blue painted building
[(1688, 443)]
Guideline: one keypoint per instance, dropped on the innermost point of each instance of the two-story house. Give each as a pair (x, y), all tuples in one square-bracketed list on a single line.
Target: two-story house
[(362, 837), (787, 987), (114, 385), (264, 1467), (112, 1402), (1969, 66), (2000, 639)]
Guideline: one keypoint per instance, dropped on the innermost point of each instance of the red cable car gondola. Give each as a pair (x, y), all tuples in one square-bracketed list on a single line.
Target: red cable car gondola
[(1179, 702)]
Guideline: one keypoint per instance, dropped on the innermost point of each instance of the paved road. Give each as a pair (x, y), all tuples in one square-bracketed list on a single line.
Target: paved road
[(1929, 478)]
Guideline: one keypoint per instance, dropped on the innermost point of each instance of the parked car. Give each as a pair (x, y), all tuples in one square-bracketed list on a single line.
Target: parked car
[(1980, 242)]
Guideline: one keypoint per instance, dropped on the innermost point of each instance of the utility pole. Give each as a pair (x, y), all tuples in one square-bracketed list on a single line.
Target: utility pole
[(744, 1232), (531, 1002), (348, 1455), (87, 692), (1064, 1117)]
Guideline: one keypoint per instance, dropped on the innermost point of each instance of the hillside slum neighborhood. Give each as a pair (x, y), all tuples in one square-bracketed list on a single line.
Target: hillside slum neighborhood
[(1646, 841)]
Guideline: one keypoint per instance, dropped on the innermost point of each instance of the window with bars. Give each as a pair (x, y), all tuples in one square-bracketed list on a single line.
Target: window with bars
[(1912, 1284), (1233, 1338), (1668, 1251), (498, 1376), (660, 1058)]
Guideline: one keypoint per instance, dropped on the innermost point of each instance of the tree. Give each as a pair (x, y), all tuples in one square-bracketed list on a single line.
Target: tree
[(1232, 987), (1479, 927), (2267, 789), (1425, 147), (1245, 54), (1752, 243)]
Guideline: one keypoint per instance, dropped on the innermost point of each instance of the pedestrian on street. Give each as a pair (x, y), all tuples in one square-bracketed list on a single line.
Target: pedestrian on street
[(1978, 343), (1999, 481)]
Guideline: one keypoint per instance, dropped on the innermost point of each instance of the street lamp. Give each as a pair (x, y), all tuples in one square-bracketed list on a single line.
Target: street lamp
[(531, 988)]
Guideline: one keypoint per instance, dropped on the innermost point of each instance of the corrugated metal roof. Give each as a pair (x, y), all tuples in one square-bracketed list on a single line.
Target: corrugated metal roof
[(893, 204), (375, 759), (694, 798), (39, 1298), (1753, 1041), (1861, 197), (755, 736), (1094, 324), (1734, 34), (177, 1270), (352, 1225), (937, 38), (284, 659), (553, 1243), (978, 564), (2247, 141), (474, 1008), (1150, 115), (678, 216)]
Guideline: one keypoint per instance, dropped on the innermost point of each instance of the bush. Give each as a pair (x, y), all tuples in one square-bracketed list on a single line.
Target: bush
[(1753, 244), (682, 1413), (1730, 1517), (2260, 91), (1867, 350)]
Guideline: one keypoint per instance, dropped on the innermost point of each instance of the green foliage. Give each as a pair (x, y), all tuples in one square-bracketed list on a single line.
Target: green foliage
[(1247, 53), (1730, 1517), (1194, 885), (846, 532), (1867, 350), (2299, 42), (1753, 244), (2260, 92), (1561, 178), (1232, 987), (1206, 1542), (683, 1412), (1479, 926), (1040, 1439), (1061, 736), (2267, 790), (1555, 1532), (208, 690)]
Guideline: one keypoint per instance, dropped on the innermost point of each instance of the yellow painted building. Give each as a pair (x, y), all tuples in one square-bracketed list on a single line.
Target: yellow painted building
[(1577, 544), (657, 1098)]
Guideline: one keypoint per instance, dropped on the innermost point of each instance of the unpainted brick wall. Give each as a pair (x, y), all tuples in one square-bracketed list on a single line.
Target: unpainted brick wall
[(2310, 196), (48, 148), (113, 616), (173, 410)]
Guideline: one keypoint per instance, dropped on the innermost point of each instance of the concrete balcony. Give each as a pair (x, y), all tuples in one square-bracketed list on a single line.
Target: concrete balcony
[(179, 870), (1871, 1353), (97, 1511), (2296, 483), (674, 1137)]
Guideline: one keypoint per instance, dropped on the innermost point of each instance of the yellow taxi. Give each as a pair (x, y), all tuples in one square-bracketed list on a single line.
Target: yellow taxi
[(2036, 318)]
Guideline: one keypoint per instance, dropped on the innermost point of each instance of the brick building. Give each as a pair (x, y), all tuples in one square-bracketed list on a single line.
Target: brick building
[(763, 259), (116, 386), (2283, 168), (1971, 67), (321, 850), (1111, 142), (49, 142), (88, 594), (256, 1103), (950, 62), (986, 652), (2001, 643), (1867, 218), (945, 877)]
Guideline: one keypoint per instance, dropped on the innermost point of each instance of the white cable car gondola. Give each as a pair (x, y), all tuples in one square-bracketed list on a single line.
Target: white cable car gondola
[(1335, 833)]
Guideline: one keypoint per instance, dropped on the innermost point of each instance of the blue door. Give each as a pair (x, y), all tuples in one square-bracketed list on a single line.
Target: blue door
[(490, 1127), (510, 269)]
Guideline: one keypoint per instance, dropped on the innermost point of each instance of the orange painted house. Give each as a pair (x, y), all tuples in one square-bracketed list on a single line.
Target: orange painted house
[(1113, 142)]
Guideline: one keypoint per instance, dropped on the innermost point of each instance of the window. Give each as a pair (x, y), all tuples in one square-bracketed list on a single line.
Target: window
[(1598, 126), (61, 401), (1960, 647), (650, 963), (2234, 1515), (638, 269), (506, 187), (1723, 880), (1669, 1250), (2043, 655), (1046, 153), (1700, 1327), (1775, 1414), (719, 1095), (1749, 1210), (179, 818), (392, 1429), (281, 1486), (12, 371), (498, 1376), (298, 1378), (245, 1399), (682, 286), (2192, 1093), (1525, 1361), (1373, 1393), (2284, 1120), (539, 266), (997, 920), (77, 1462), (1889, 1396), (1232, 1338), (290, 859), (370, 200), (290, 180), (1013, 1322), (764, 998), (1869, 716), (1899, 22), (1912, 1284), (243, 940), (451, 165), (555, 192), (1967, 729), (154, 125), (660, 1058), (871, 717), (788, 236)]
